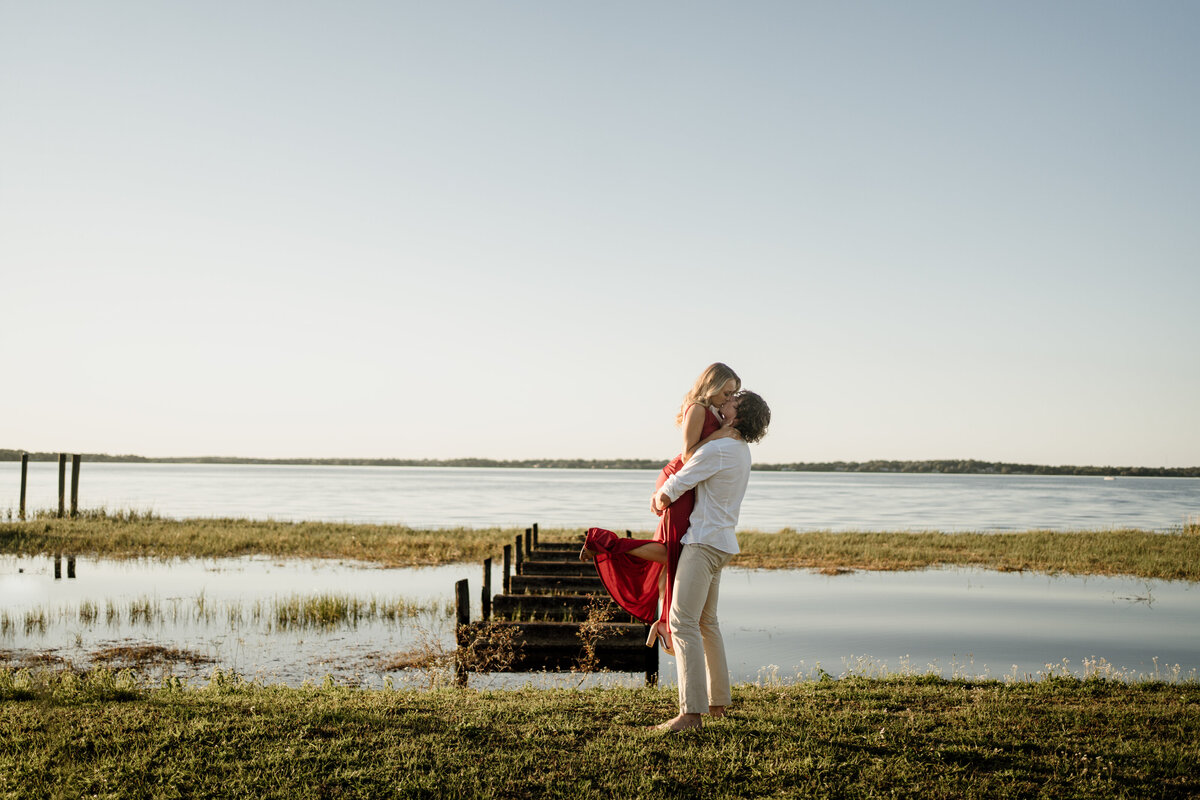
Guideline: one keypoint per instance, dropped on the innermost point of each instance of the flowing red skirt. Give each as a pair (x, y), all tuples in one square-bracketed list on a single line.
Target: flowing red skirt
[(632, 581)]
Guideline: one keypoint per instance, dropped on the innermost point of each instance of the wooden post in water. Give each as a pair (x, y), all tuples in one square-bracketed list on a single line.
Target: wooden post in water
[(519, 559), (70, 566), (62, 483), (75, 485), (486, 605), (24, 477), (652, 665), (462, 600), (58, 566), (535, 535), (507, 567)]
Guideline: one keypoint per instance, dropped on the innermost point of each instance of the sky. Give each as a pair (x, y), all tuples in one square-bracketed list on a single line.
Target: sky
[(520, 230)]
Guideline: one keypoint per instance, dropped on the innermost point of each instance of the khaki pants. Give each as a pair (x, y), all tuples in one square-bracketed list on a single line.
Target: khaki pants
[(699, 650)]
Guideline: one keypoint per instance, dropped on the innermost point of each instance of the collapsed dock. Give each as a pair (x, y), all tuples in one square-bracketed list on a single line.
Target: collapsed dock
[(552, 614)]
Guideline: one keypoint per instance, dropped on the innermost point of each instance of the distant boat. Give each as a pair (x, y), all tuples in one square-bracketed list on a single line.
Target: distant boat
[(1110, 477)]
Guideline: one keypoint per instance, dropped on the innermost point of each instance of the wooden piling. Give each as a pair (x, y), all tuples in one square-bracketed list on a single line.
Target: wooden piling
[(462, 599), (507, 567), (62, 483), (652, 666), (58, 566), (462, 602), (519, 559), (70, 566), (486, 604), (535, 535), (24, 480), (528, 541), (75, 459)]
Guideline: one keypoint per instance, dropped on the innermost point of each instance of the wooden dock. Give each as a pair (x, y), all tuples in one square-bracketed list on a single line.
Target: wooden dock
[(552, 613)]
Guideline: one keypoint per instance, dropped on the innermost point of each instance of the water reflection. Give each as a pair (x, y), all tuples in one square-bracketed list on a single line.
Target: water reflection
[(778, 624)]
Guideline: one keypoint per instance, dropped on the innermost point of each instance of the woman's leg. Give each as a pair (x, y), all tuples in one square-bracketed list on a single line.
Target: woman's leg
[(654, 551)]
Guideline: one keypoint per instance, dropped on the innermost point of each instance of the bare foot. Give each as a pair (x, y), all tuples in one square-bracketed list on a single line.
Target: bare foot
[(716, 711), (683, 722), (585, 554)]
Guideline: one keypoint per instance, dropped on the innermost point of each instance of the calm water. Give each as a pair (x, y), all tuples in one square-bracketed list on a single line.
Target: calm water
[(616, 499), (777, 624)]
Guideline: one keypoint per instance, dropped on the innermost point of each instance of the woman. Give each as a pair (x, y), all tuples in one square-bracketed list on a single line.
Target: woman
[(633, 569)]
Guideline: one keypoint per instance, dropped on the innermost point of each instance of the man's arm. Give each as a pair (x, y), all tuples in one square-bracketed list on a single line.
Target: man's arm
[(705, 463)]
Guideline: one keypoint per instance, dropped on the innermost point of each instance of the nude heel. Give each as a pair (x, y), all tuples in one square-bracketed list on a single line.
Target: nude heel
[(664, 634)]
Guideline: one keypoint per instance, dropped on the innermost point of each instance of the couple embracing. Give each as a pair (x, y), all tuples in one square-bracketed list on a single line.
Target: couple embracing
[(698, 497)]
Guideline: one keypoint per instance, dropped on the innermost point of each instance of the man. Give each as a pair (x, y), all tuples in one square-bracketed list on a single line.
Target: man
[(719, 471)]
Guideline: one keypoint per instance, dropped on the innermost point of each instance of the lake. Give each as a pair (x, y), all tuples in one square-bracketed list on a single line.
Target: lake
[(440, 497), (779, 625)]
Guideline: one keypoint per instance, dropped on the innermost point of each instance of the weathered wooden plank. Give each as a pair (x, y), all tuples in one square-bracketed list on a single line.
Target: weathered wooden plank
[(540, 567), (557, 606), (564, 547), (547, 584), (566, 659), (547, 633)]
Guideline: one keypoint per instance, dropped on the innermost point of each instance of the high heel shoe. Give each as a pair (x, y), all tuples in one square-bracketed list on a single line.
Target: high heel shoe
[(659, 632)]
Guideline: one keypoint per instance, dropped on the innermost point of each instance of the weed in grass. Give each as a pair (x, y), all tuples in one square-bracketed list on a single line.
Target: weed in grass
[(430, 657), (487, 646), (594, 628)]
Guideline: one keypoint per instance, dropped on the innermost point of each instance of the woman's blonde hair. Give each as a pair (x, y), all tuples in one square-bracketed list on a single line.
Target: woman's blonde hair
[(709, 383)]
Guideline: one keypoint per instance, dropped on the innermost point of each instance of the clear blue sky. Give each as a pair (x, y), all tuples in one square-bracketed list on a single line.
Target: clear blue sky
[(521, 229)]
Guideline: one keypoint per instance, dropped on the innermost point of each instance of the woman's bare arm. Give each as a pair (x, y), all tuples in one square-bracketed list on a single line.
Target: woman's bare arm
[(693, 423)]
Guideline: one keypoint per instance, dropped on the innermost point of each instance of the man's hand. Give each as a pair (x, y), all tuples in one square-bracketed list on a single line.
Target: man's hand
[(659, 502)]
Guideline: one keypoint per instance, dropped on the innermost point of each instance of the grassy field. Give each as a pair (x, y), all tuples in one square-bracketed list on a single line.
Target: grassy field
[(102, 735), (1174, 556)]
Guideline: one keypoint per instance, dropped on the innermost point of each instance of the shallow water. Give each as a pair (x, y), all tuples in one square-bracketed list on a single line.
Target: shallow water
[(778, 624), (615, 499)]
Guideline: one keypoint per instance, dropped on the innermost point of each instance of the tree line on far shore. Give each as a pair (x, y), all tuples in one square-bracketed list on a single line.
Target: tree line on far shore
[(945, 466)]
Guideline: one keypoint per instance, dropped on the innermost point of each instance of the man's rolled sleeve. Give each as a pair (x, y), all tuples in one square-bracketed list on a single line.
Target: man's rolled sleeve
[(703, 464)]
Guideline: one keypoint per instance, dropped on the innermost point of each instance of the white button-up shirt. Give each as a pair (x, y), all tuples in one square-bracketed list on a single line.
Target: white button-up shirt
[(719, 471)]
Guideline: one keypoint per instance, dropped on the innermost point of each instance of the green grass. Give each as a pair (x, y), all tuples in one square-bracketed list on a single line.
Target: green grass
[(1170, 556), (105, 736)]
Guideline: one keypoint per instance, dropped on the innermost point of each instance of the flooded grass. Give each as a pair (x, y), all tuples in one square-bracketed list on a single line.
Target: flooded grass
[(330, 610), (107, 733), (1170, 556), (325, 611)]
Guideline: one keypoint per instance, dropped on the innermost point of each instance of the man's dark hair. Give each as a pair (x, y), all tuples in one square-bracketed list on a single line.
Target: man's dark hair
[(753, 416)]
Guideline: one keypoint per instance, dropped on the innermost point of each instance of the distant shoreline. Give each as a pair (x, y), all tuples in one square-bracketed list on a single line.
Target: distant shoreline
[(948, 466)]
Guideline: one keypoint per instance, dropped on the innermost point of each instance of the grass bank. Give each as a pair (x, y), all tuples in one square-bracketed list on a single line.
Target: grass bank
[(102, 735), (1174, 556)]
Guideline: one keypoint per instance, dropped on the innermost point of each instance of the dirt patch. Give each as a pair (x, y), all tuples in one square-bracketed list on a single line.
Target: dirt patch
[(145, 655), (25, 659)]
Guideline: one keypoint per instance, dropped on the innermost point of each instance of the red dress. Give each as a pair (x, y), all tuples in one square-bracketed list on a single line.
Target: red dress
[(633, 581)]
